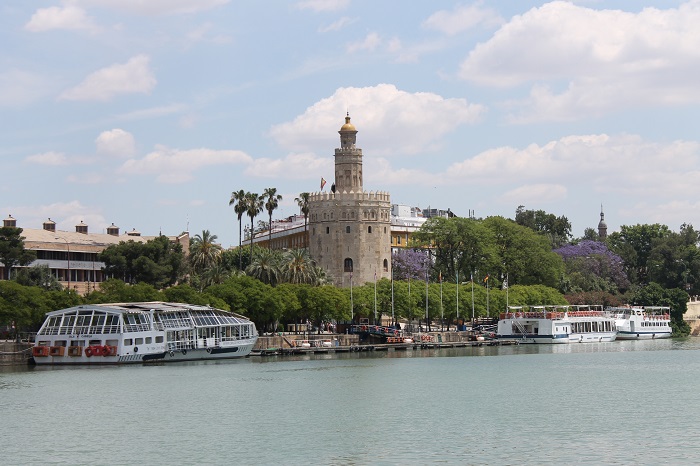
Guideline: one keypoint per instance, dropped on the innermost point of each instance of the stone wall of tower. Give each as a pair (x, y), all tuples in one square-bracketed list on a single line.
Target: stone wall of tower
[(352, 226)]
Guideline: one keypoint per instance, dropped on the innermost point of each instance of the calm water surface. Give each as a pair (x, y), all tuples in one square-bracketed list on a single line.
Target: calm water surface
[(608, 403)]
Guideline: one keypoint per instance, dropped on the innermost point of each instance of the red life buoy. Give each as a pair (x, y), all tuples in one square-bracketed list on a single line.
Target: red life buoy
[(88, 351), (106, 350)]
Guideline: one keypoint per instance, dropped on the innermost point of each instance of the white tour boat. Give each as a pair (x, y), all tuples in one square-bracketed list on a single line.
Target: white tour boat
[(640, 323), (142, 332), (556, 324)]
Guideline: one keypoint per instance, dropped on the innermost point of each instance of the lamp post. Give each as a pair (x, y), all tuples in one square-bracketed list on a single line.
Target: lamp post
[(68, 248)]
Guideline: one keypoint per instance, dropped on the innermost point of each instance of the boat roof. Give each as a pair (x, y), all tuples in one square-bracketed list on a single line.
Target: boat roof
[(141, 307)]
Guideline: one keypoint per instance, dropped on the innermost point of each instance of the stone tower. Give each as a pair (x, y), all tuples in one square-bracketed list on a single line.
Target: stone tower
[(349, 228), (602, 226)]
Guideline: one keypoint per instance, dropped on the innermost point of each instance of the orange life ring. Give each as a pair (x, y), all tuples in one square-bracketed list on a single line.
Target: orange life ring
[(106, 350), (88, 351)]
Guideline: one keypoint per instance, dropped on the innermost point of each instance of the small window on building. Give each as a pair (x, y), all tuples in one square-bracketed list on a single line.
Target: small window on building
[(347, 229), (386, 265), (369, 229), (328, 230), (398, 240), (347, 266), (149, 340)]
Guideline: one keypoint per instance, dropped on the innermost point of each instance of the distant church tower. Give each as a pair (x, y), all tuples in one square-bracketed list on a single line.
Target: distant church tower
[(349, 229), (602, 226)]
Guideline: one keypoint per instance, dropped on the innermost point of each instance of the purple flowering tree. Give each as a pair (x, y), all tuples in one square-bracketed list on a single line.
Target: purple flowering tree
[(591, 266), (410, 263)]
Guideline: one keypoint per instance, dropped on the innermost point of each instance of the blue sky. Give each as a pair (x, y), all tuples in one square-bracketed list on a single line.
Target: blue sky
[(149, 114)]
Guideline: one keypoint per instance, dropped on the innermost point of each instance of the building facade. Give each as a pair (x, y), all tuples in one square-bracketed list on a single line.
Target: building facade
[(349, 228), (72, 256)]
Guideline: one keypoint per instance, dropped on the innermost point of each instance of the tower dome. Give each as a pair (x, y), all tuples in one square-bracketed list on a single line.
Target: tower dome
[(348, 126), (602, 226)]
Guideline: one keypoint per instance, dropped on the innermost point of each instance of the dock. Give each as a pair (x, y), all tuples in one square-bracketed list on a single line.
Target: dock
[(357, 348)]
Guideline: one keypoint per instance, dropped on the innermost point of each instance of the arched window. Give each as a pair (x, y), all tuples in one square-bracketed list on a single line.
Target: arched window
[(328, 230), (386, 265), (347, 266), (369, 229), (347, 229)]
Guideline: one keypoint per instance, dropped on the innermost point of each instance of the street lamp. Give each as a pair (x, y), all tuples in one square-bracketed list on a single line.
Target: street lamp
[(68, 248)]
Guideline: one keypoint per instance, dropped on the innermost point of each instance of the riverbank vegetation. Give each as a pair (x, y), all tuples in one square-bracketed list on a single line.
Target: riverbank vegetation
[(454, 269)]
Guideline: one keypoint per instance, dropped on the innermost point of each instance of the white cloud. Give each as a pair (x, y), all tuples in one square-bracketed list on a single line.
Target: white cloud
[(293, 166), (116, 143), (157, 7), (368, 44), (607, 59), (48, 158), (70, 17), (389, 121), (66, 215), (323, 5), (536, 194), (18, 88), (338, 25), (134, 76), (177, 166), (462, 18)]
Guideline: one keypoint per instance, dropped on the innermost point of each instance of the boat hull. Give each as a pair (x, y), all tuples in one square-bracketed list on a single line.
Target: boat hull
[(643, 335)]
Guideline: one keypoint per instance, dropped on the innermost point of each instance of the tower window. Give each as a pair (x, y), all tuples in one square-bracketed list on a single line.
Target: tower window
[(347, 266), (328, 230), (347, 229), (369, 229), (386, 265)]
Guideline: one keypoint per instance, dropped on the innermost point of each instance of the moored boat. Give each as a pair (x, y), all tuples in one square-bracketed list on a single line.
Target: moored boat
[(641, 323), (142, 332), (556, 324)]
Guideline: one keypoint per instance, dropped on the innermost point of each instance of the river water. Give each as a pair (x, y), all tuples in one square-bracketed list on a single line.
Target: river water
[(619, 403)]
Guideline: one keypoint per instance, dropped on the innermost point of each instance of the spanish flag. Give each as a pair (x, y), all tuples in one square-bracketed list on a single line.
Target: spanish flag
[(323, 183), (486, 279)]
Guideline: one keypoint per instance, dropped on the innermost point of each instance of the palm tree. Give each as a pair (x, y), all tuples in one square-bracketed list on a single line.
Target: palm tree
[(303, 203), (254, 205), (265, 266), (204, 252), (297, 267), (271, 203), (238, 200)]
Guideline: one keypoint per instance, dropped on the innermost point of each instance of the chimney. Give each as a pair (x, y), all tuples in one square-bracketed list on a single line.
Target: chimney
[(134, 232), (9, 222), (113, 230), (50, 225), (81, 228)]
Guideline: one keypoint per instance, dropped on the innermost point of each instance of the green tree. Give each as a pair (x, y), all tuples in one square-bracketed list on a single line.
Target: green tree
[(204, 251), (266, 266), (271, 203), (38, 275), (116, 291), (303, 203), (158, 262), (254, 205), (12, 251), (297, 267), (240, 207), (634, 245), (556, 229)]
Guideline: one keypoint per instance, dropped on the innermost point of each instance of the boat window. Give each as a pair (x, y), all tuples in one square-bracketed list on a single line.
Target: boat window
[(159, 339), (138, 341), (149, 340), (94, 342), (128, 342)]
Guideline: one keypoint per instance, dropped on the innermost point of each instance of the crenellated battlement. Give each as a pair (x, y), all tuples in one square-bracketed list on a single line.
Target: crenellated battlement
[(382, 196)]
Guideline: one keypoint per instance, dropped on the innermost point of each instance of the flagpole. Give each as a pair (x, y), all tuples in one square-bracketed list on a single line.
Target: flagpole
[(442, 310), (487, 296), (426, 299), (393, 321), (352, 308), (457, 300), (375, 298), (472, 276)]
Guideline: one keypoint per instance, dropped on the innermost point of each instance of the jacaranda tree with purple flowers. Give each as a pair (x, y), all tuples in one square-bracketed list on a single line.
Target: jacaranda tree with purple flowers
[(591, 266)]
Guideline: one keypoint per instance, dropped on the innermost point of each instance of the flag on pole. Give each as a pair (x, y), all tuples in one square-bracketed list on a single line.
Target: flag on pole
[(323, 183), (440, 276), (486, 279)]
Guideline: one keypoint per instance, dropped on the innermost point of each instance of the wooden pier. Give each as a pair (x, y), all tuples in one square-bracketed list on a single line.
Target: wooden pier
[(419, 345)]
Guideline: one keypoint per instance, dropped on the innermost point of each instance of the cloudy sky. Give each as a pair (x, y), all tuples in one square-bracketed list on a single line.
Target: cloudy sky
[(149, 114)]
